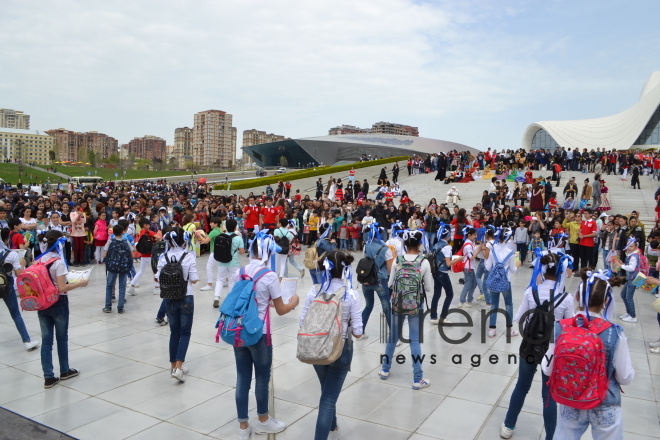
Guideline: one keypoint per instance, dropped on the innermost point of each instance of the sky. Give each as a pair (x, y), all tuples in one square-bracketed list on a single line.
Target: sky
[(473, 72)]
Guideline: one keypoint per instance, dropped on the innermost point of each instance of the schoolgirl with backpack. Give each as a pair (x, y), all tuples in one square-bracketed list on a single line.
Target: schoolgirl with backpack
[(442, 255), (176, 273), (635, 262), (144, 246), (33, 287), (588, 362), (500, 265), (333, 308), (468, 250), (410, 281), (549, 298), (316, 251), (256, 286)]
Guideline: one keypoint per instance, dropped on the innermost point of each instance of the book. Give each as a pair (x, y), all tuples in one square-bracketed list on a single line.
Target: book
[(641, 282), (76, 276)]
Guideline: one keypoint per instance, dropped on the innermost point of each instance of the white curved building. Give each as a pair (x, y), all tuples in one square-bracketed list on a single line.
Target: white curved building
[(636, 127)]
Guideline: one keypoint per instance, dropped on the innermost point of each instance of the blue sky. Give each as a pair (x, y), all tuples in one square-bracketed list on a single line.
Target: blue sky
[(474, 72)]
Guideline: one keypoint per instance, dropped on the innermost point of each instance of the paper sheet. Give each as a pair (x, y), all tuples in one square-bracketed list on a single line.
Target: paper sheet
[(20, 252), (288, 288), (75, 276)]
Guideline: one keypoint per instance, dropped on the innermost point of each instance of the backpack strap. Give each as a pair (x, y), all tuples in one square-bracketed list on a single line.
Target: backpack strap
[(507, 257), (4, 256), (497, 260)]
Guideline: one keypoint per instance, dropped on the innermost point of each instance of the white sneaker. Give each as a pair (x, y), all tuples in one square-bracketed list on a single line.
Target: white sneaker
[(434, 321), (271, 426), (655, 350), (383, 374), (399, 343), (481, 298), (177, 373), (447, 320), (655, 344), (514, 332), (131, 290), (464, 305), (334, 435), (156, 290), (206, 288), (185, 369), (492, 332), (244, 434), (364, 337), (505, 432), (424, 383), (624, 316), (475, 304), (29, 346), (629, 319)]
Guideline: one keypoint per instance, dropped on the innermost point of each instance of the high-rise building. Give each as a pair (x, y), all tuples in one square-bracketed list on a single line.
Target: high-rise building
[(69, 144), (214, 139), (14, 119), (182, 148), (378, 127), (25, 145), (148, 147), (256, 137)]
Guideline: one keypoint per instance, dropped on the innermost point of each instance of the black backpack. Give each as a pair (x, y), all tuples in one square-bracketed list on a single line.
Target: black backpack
[(222, 248), (173, 285), (539, 327), (156, 251), (120, 257), (367, 272), (432, 259), (283, 242), (5, 279), (145, 244)]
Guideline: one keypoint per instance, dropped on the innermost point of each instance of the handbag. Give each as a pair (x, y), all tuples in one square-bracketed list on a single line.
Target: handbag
[(306, 229), (295, 248)]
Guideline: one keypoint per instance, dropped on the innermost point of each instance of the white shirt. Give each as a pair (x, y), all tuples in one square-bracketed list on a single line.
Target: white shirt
[(624, 373), (266, 289), (12, 258), (502, 250), (188, 264), (425, 269), (446, 252), (564, 310), (351, 307), (397, 243)]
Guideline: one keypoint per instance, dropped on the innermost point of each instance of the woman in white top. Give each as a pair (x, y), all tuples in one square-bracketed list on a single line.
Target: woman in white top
[(281, 260), (9, 258), (554, 270), (179, 311), (332, 376), (260, 355), (412, 241), (55, 319), (502, 251)]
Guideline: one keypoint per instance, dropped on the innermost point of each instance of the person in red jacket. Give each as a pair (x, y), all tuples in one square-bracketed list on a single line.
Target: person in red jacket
[(253, 214)]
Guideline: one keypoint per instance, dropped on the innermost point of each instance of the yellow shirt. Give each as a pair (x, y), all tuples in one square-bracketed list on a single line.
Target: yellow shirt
[(573, 229), (313, 223)]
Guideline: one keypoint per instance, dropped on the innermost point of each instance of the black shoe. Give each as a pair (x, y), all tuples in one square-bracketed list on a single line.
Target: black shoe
[(69, 374), (114, 297), (120, 310), (107, 309), (51, 382), (461, 281)]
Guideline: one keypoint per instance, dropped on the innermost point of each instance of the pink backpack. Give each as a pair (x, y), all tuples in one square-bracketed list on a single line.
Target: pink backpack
[(36, 290)]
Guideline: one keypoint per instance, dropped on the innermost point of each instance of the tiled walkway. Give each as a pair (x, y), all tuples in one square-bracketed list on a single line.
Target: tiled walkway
[(124, 389)]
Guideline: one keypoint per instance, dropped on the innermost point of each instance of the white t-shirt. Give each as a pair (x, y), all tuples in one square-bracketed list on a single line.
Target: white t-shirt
[(267, 288), (12, 258), (564, 310), (351, 307), (58, 268), (397, 243), (189, 265)]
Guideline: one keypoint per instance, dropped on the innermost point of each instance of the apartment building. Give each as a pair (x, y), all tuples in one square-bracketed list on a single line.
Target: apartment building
[(256, 137), (214, 139), (14, 119), (378, 127), (182, 148), (68, 144), (25, 145), (148, 147), (347, 129)]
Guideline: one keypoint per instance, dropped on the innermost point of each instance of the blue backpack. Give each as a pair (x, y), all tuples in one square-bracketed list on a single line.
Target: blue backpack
[(120, 257), (239, 324), (497, 280)]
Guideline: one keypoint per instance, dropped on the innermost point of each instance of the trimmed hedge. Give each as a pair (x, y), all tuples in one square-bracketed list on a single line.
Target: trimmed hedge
[(301, 174)]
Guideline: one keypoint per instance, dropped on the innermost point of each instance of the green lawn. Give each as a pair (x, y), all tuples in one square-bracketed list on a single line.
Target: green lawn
[(109, 173), (9, 173)]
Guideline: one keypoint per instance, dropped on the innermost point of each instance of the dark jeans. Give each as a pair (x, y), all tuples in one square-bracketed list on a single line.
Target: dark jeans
[(260, 356), (441, 280), (586, 256), (78, 249), (14, 310), (526, 372), (162, 310), (56, 318), (332, 379), (111, 277), (383, 294), (522, 248), (180, 315), (575, 253)]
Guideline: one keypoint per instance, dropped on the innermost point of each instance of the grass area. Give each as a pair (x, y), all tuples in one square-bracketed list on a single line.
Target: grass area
[(109, 173), (302, 174), (9, 173)]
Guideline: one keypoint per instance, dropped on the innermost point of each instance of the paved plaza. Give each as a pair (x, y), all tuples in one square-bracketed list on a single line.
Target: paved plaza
[(125, 390)]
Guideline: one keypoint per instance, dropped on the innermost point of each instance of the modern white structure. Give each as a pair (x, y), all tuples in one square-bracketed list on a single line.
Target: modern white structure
[(636, 127)]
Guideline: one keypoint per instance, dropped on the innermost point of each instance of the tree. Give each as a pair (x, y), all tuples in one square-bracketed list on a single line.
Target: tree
[(158, 164), (91, 157), (283, 161), (142, 164), (51, 155), (131, 160), (114, 158), (82, 153)]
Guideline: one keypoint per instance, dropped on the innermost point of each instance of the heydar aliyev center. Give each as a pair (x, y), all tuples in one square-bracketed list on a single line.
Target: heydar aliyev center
[(636, 127)]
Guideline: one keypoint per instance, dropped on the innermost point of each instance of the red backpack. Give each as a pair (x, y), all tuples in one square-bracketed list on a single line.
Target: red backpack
[(459, 266), (579, 376), (36, 290), (643, 265)]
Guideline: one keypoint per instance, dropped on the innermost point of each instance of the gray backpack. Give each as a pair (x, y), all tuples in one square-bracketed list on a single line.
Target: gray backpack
[(320, 339)]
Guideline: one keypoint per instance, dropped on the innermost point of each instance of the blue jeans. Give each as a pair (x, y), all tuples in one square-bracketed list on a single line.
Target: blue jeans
[(415, 346), (162, 310), (606, 423), (627, 294), (441, 280), (344, 243), (111, 277), (14, 310), (55, 317), (522, 248), (355, 244), (260, 356), (470, 285), (605, 264), (481, 277), (180, 315), (332, 379), (508, 303), (88, 254), (526, 372), (383, 294), (431, 236)]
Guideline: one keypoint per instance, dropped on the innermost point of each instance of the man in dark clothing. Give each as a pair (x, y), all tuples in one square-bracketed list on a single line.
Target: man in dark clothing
[(319, 188), (548, 189), (365, 188), (383, 175), (395, 172)]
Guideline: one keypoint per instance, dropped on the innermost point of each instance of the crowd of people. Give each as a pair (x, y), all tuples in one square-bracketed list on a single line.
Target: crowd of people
[(409, 250)]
